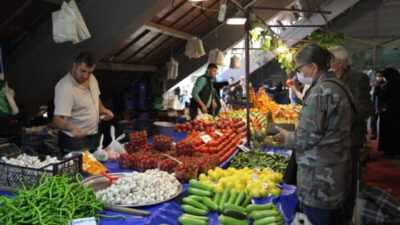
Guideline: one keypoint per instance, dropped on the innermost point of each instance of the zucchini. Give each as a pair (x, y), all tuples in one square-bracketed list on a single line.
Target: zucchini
[(193, 210), (240, 198), (255, 215), (196, 217), (197, 184), (196, 197), (234, 207), (194, 203), (232, 221), (210, 204), (268, 220), (217, 197), (224, 199), (246, 201), (233, 197), (234, 214), (255, 207), (191, 221), (199, 192)]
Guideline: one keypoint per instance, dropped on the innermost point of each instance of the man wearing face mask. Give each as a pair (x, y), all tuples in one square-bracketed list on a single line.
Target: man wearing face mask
[(358, 83), (375, 93)]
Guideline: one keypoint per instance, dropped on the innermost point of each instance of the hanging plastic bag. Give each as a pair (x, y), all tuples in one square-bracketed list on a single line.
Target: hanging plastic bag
[(236, 63), (64, 24), (194, 48), (172, 71), (217, 57), (81, 28), (100, 154), (118, 147), (10, 94), (300, 219)]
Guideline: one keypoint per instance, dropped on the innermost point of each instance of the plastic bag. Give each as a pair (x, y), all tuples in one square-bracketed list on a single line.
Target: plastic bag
[(115, 145), (81, 28), (216, 56), (194, 48), (100, 154), (10, 94), (172, 71), (236, 63), (64, 24), (300, 219)]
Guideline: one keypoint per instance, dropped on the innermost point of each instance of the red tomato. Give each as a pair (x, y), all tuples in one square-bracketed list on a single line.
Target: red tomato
[(289, 83)]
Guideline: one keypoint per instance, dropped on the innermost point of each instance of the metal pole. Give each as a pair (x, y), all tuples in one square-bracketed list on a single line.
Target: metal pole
[(247, 57), (292, 10)]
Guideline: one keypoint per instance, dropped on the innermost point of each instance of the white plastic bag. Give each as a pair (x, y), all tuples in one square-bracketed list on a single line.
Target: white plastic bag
[(194, 48), (300, 219), (172, 71), (236, 63), (118, 147), (100, 154), (217, 57), (81, 28), (10, 94), (64, 24)]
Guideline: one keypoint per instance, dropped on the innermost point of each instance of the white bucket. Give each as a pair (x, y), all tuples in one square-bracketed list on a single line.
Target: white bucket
[(165, 128)]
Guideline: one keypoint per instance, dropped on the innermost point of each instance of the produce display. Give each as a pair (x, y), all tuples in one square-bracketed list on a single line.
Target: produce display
[(255, 182), (55, 200), (90, 165), (237, 124), (150, 187), (162, 143), (25, 160), (261, 140), (258, 159), (233, 207)]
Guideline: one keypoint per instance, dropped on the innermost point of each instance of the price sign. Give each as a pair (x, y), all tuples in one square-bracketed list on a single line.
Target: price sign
[(206, 138), (219, 133), (244, 148), (84, 221), (255, 177)]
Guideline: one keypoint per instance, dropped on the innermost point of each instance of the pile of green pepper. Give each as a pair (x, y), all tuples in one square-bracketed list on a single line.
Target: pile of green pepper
[(55, 200), (259, 159)]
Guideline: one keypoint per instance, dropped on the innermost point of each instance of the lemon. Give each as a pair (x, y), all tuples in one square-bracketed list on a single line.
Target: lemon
[(275, 191), (202, 177), (255, 193)]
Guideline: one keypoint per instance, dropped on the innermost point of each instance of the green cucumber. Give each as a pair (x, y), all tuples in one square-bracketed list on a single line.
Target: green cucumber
[(184, 220), (234, 207), (246, 201), (197, 184), (224, 198), (232, 197), (255, 207), (268, 220), (199, 192), (196, 197), (217, 197), (196, 217), (255, 215), (194, 203), (240, 198), (234, 214), (193, 210), (232, 221), (210, 204)]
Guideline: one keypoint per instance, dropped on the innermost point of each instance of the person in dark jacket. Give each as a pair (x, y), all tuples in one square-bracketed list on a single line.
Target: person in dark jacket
[(389, 111), (203, 93), (375, 93)]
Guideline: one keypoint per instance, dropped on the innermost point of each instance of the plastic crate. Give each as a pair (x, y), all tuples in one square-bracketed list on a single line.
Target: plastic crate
[(12, 175)]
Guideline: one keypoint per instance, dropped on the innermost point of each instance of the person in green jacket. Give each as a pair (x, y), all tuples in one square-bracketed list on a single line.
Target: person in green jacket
[(359, 85), (203, 93)]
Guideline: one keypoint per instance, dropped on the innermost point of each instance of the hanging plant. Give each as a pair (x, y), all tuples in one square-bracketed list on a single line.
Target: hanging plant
[(324, 39)]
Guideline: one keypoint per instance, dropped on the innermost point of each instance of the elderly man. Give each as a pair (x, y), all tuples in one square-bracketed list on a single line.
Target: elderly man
[(360, 88)]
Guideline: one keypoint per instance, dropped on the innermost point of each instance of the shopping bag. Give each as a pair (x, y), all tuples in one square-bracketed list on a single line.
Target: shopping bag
[(300, 219), (64, 24), (115, 144), (81, 28), (100, 154)]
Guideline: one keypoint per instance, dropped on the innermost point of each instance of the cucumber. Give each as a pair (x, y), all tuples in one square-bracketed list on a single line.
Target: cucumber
[(199, 192), (194, 203), (224, 199), (217, 197), (191, 221), (240, 198), (210, 204), (268, 220), (255, 215), (197, 184), (255, 207), (196, 217), (246, 201), (232, 221), (232, 197), (234, 207), (196, 197), (193, 210), (234, 214)]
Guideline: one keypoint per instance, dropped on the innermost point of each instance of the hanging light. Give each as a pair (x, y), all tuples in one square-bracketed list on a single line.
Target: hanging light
[(236, 21)]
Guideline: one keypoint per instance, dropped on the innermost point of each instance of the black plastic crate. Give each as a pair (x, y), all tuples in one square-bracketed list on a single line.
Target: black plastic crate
[(12, 175)]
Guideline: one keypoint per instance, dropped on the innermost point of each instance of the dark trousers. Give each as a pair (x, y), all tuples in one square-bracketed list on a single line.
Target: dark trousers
[(319, 216), (69, 144), (374, 125)]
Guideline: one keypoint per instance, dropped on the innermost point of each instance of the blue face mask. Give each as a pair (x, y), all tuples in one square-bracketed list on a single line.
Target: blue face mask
[(304, 80)]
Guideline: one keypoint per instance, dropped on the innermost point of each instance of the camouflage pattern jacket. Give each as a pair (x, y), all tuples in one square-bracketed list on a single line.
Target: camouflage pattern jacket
[(322, 145)]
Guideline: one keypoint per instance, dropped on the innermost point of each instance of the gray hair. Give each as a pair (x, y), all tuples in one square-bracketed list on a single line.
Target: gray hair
[(339, 52)]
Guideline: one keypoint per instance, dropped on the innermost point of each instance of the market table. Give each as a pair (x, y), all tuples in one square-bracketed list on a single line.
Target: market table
[(169, 212)]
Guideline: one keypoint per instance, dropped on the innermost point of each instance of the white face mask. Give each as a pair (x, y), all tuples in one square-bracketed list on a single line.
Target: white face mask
[(304, 80), (379, 78)]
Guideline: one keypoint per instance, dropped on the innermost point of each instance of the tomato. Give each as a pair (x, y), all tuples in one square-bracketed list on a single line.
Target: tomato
[(289, 82)]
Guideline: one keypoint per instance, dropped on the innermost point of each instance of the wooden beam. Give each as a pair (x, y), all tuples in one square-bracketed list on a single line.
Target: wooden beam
[(15, 14), (167, 31), (292, 10), (125, 67)]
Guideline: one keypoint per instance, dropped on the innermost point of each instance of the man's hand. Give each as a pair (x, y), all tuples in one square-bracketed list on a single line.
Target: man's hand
[(280, 137), (78, 133), (214, 104), (204, 109), (107, 115)]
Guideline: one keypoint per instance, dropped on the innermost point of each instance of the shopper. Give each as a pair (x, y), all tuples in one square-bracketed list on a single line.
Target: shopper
[(203, 93), (78, 107), (376, 87), (389, 112), (321, 142)]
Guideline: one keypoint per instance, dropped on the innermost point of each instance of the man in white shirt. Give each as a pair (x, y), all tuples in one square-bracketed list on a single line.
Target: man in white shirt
[(78, 108)]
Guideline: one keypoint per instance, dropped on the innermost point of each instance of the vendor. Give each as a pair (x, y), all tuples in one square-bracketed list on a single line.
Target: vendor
[(203, 93), (78, 107)]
